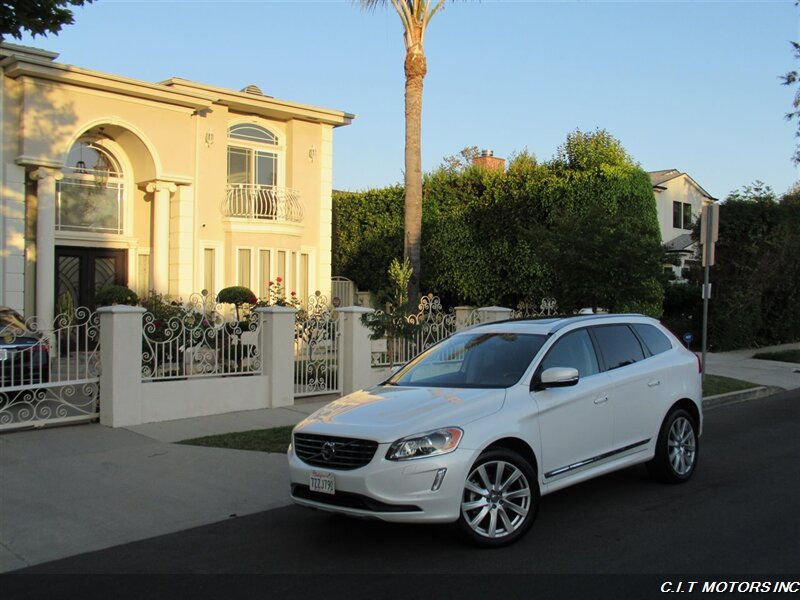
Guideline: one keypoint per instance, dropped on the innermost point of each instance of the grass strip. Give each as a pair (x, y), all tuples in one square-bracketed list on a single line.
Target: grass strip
[(716, 384), (275, 439), (790, 356)]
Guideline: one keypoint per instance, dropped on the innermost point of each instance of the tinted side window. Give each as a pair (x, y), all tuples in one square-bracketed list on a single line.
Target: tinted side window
[(618, 345), (574, 350), (655, 341)]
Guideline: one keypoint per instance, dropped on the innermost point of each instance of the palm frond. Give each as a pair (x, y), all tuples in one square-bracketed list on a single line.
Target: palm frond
[(370, 4)]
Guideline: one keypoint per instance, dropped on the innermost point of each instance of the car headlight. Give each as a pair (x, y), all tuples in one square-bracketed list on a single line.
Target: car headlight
[(420, 445)]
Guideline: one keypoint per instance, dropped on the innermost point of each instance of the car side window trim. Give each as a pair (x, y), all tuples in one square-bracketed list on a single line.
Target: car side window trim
[(540, 366), (599, 349), (645, 348), (649, 351)]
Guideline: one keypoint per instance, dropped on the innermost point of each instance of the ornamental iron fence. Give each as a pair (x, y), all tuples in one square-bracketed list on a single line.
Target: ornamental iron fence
[(435, 323), (49, 374), (316, 349), (548, 307), (199, 339), (432, 324)]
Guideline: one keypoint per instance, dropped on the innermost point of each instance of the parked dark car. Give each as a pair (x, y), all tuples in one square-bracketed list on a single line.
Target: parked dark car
[(24, 354)]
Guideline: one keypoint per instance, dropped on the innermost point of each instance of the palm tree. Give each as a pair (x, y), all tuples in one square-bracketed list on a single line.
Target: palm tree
[(415, 16)]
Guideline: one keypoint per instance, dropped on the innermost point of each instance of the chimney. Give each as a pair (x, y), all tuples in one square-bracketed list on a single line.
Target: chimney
[(487, 160)]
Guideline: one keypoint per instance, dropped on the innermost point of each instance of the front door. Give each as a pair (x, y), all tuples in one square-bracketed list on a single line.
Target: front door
[(81, 272)]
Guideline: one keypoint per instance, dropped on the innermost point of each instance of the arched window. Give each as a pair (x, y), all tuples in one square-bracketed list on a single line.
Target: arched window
[(252, 133), (90, 196), (252, 156)]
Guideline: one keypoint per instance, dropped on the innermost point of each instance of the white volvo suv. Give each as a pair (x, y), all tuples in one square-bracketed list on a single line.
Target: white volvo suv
[(476, 428)]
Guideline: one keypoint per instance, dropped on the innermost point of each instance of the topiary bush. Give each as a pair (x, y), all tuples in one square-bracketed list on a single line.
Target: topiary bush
[(115, 294), (237, 295)]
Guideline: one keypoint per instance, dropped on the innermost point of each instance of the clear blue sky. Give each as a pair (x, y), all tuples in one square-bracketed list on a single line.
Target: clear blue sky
[(686, 85)]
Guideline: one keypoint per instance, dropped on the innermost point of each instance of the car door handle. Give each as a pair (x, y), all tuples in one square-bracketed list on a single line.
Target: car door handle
[(654, 383), (601, 399)]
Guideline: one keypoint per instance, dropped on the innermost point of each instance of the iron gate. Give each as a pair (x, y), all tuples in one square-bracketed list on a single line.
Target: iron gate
[(316, 349), (49, 375)]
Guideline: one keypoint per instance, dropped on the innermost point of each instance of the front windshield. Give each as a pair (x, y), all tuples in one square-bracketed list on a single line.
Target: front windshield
[(479, 360)]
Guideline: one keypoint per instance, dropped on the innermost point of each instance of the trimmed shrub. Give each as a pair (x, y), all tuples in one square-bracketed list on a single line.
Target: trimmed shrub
[(237, 295), (115, 294)]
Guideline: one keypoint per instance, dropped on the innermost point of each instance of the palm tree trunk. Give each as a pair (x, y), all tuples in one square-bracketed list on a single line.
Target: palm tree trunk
[(415, 68)]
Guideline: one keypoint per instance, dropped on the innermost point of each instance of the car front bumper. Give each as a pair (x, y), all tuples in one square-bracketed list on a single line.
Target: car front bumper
[(397, 491)]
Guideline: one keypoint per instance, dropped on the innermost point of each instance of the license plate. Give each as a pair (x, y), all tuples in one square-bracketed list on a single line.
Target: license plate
[(322, 482)]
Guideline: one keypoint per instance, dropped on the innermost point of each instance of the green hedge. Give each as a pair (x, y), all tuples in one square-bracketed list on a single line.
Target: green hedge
[(755, 298), (756, 279), (494, 237)]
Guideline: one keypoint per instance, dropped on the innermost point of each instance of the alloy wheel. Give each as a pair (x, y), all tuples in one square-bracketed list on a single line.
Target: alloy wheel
[(496, 499), (681, 445)]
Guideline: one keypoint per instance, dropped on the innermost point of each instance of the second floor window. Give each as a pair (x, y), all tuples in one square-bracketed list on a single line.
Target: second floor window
[(682, 215), (252, 156)]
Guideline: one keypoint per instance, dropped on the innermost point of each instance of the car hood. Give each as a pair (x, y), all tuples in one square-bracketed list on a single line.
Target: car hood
[(386, 413)]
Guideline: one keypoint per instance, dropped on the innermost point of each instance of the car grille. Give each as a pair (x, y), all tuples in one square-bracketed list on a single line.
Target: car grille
[(333, 452)]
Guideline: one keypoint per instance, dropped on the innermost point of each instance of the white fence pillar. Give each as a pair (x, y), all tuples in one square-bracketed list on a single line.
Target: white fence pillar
[(277, 352), (494, 313), (121, 365), (355, 350), (463, 314)]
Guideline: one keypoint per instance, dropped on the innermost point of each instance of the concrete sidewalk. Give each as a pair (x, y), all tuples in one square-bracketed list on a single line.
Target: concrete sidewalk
[(739, 364), (70, 490)]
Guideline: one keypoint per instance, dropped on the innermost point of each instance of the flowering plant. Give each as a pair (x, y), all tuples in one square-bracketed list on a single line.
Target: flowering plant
[(276, 295)]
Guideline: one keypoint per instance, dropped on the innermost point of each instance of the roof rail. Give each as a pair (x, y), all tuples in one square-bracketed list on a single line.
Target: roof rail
[(560, 321), (569, 320)]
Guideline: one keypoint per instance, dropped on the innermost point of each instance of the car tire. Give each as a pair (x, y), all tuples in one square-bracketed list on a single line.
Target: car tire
[(500, 499), (677, 448)]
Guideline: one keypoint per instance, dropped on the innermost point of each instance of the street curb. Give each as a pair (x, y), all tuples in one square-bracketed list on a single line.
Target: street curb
[(712, 402)]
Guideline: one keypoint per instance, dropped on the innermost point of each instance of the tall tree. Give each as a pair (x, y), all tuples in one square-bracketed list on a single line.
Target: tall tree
[(415, 16), (793, 78), (39, 17)]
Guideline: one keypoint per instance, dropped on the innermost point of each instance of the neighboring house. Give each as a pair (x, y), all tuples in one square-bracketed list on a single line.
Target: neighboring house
[(679, 200), (174, 187)]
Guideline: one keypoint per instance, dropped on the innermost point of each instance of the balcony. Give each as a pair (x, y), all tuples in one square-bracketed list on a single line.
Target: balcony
[(262, 202)]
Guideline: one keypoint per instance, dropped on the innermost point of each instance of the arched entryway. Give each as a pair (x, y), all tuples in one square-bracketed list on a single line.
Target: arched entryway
[(95, 237)]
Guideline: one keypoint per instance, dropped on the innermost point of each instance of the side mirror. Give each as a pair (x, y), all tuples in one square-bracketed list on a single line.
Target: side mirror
[(555, 377)]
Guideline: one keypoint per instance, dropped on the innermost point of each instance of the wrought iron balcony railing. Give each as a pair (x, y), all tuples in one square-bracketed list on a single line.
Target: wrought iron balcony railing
[(253, 201)]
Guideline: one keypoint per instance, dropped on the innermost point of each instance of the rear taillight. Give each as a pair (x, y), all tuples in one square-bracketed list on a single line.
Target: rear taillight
[(41, 349)]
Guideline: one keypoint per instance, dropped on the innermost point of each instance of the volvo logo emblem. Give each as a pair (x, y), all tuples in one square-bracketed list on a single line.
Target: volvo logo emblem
[(328, 450)]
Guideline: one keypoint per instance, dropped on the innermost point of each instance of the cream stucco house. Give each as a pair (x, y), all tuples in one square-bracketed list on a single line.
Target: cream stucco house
[(174, 186), (679, 200)]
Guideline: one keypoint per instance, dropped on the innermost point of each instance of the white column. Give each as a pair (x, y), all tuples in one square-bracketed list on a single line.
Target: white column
[(277, 352), (489, 314), (13, 290), (181, 243), (325, 159), (355, 351), (121, 358), (161, 190), (463, 313), (46, 179)]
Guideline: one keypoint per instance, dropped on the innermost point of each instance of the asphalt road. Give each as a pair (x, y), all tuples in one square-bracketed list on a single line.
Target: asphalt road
[(737, 519)]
